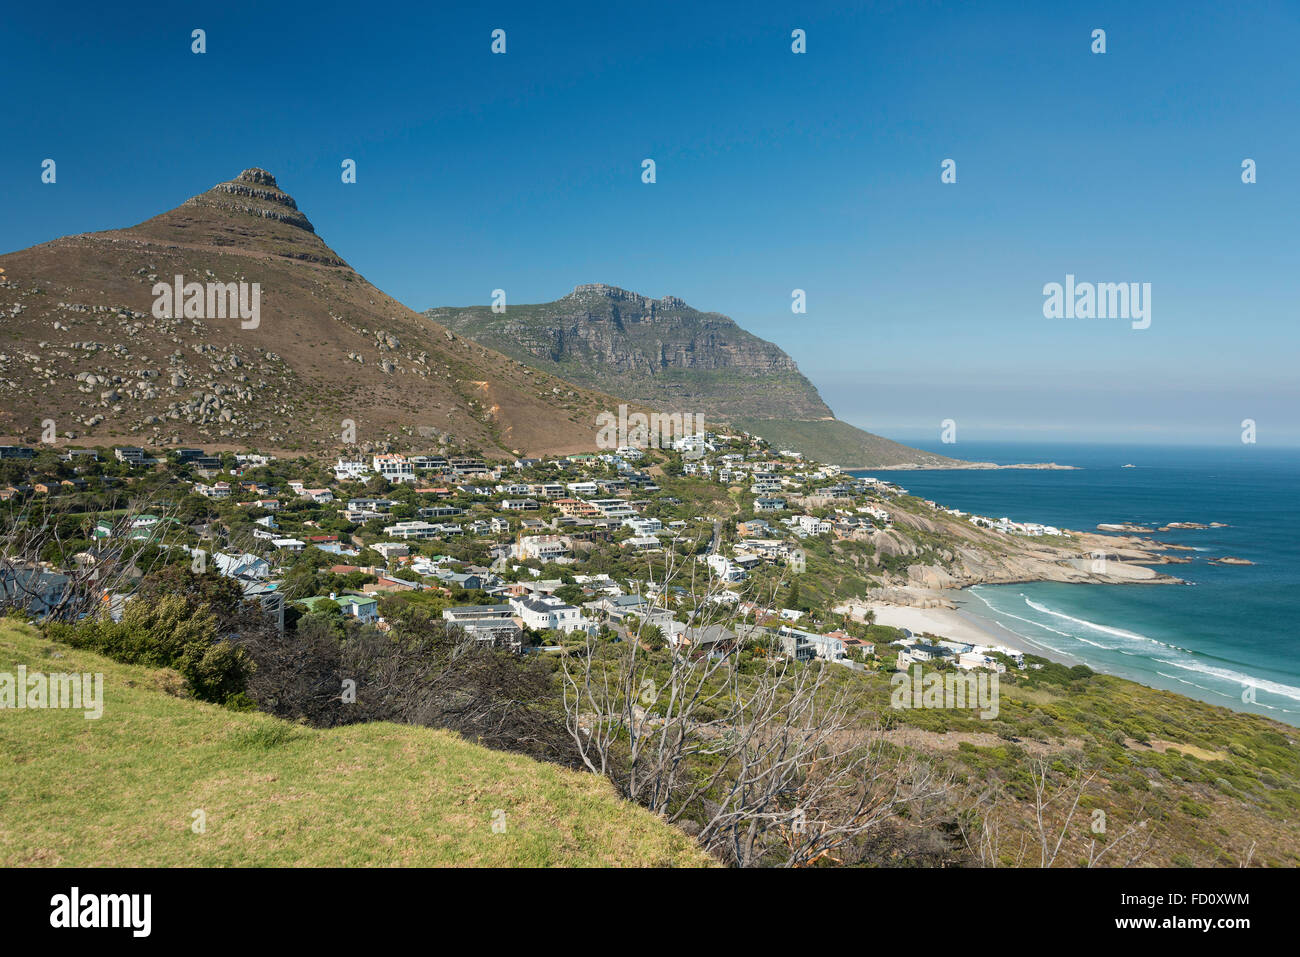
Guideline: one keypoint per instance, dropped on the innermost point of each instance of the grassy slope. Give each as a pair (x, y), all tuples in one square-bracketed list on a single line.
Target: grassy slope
[(121, 790)]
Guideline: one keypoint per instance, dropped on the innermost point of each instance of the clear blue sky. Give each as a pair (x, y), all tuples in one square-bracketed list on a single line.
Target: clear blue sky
[(818, 171)]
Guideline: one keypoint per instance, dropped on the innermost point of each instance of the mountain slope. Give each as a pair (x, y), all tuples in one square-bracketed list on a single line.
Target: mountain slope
[(663, 352), (82, 346)]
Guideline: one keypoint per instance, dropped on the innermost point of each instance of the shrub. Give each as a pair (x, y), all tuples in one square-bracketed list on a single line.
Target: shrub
[(170, 631)]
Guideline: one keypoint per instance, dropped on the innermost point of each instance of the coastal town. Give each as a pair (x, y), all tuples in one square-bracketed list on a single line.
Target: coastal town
[(704, 544)]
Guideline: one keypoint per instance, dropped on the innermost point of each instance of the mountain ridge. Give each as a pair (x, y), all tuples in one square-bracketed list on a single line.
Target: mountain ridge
[(663, 351)]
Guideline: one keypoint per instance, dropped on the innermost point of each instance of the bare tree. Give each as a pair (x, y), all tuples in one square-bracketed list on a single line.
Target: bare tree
[(1051, 817), (770, 760), (42, 575)]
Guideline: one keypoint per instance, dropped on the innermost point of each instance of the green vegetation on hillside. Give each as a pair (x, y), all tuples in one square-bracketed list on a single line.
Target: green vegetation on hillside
[(124, 789)]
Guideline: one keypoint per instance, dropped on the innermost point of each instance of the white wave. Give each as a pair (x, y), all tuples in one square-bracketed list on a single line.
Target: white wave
[(1019, 634), (1238, 678), (1184, 681), (1104, 629)]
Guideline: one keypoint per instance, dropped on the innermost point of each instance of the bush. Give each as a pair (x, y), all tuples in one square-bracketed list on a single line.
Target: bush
[(171, 631)]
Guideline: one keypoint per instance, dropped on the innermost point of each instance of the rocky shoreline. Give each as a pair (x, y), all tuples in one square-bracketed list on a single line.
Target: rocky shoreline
[(924, 600)]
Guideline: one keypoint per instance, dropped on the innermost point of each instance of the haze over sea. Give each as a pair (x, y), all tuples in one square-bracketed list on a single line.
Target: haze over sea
[(1228, 637)]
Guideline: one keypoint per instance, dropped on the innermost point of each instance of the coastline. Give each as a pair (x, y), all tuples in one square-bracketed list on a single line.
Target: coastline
[(955, 621), (1173, 518)]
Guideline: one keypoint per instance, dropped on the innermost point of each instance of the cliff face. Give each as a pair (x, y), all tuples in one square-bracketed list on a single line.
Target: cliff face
[(635, 334), (678, 359), (658, 350)]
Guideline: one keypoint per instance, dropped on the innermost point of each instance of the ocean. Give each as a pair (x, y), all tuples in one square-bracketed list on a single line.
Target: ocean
[(1229, 638)]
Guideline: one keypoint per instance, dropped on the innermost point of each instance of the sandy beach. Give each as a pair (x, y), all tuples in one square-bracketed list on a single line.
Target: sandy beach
[(961, 623)]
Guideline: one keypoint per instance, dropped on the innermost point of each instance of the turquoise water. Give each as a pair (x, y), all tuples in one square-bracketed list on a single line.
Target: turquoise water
[(1229, 638)]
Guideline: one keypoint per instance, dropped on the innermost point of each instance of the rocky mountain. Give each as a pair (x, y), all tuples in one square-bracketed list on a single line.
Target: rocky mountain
[(96, 338), (663, 352)]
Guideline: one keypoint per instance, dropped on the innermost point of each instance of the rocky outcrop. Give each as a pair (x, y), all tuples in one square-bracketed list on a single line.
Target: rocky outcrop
[(262, 198)]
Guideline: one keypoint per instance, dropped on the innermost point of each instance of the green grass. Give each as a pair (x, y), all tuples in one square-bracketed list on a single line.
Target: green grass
[(122, 790)]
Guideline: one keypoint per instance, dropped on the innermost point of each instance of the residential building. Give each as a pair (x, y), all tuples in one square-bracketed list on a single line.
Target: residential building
[(724, 568), (804, 644), (395, 468), (549, 614), (351, 470), (492, 623), (361, 607), (543, 547), (413, 529)]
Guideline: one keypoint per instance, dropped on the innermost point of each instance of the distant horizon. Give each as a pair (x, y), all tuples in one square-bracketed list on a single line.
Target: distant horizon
[(928, 443)]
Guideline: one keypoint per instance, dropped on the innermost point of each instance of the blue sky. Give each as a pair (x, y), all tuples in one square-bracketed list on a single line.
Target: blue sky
[(775, 171)]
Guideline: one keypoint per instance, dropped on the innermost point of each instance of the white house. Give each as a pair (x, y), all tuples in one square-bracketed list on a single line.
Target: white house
[(245, 565), (360, 607), (413, 529), (549, 612), (351, 470), (725, 569), (972, 659), (543, 547), (395, 468), (644, 526), (812, 525)]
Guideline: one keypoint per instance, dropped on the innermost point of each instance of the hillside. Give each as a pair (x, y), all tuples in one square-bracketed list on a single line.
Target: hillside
[(674, 357), (82, 345), (121, 790)]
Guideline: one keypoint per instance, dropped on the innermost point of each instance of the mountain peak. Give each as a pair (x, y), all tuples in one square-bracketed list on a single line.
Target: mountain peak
[(254, 192), (255, 175), (324, 345)]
